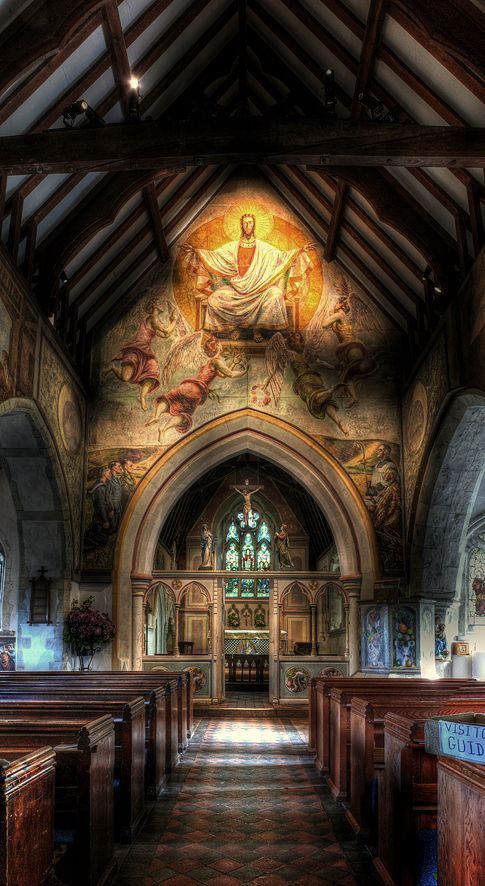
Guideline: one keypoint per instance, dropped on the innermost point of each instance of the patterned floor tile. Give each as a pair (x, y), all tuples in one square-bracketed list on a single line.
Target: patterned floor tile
[(246, 805)]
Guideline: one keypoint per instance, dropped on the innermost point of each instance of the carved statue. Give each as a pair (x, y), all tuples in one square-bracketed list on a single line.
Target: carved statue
[(207, 548), (247, 491), (283, 547)]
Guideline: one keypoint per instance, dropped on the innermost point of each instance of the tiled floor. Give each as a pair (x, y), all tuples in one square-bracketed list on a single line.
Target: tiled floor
[(246, 700), (246, 806)]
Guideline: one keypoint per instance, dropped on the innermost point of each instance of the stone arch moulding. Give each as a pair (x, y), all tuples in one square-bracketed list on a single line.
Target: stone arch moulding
[(331, 583), (289, 587), (213, 443), (451, 479), (32, 410)]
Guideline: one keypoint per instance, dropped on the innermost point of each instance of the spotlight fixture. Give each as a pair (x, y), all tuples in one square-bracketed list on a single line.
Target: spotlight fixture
[(426, 274), (81, 109), (134, 100), (63, 279), (438, 289), (377, 110), (329, 93)]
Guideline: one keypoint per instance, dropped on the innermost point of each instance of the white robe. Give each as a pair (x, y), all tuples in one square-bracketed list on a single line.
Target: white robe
[(257, 298)]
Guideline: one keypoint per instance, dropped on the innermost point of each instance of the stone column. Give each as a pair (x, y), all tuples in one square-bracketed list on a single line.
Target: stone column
[(177, 615), (352, 586), (313, 627), (139, 587)]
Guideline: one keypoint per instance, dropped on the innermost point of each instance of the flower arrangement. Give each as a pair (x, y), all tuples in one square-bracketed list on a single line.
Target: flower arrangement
[(87, 630)]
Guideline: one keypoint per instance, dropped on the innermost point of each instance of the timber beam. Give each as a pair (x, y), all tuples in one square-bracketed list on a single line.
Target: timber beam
[(255, 140)]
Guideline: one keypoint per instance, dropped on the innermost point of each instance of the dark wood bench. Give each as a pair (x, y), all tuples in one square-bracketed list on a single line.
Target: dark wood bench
[(27, 816), (140, 681), (161, 715), (83, 808), (129, 722), (407, 799), (461, 822), (319, 705), (367, 721), (340, 698)]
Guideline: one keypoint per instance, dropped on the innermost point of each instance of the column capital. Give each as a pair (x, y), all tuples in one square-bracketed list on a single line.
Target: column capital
[(140, 582), (352, 584)]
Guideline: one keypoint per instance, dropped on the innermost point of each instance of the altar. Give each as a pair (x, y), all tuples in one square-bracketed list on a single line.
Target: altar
[(246, 642)]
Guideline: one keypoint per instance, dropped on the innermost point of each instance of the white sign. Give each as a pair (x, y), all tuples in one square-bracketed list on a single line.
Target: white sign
[(465, 741)]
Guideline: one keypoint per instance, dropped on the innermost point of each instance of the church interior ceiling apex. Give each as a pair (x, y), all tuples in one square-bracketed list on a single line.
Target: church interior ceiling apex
[(302, 283)]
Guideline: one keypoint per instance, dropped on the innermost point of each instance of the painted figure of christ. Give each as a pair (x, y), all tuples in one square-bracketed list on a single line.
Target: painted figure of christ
[(251, 278)]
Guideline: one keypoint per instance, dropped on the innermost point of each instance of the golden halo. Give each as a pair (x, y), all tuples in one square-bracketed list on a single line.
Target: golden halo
[(232, 220)]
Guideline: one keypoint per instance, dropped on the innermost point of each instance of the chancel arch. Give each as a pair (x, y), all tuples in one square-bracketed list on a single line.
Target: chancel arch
[(240, 432)]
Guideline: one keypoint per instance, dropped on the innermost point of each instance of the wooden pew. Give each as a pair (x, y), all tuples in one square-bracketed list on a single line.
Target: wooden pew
[(407, 799), (367, 720), (461, 823), (129, 722), (161, 726), (141, 682), (84, 760), (340, 698), (319, 705), (27, 817)]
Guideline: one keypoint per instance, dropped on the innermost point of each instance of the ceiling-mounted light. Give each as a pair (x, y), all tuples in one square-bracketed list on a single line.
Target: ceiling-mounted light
[(438, 289), (329, 93), (426, 274), (134, 100), (81, 109)]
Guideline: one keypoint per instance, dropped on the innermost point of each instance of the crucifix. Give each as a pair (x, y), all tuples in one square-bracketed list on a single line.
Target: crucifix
[(247, 491)]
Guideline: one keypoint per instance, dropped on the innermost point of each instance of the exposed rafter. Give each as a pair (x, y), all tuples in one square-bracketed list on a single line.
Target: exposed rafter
[(41, 29), (451, 29), (324, 142)]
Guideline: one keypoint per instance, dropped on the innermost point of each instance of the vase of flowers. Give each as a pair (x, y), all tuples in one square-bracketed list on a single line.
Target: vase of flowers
[(87, 630)]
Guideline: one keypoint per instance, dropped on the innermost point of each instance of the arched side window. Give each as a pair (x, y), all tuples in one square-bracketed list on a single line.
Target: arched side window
[(476, 581), (247, 548)]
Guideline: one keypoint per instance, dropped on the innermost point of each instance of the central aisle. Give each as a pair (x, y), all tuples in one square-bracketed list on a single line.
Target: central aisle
[(246, 806)]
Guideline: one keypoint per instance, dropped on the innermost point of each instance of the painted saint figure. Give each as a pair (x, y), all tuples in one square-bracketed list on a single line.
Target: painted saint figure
[(182, 401), (283, 547), (245, 281), (137, 362)]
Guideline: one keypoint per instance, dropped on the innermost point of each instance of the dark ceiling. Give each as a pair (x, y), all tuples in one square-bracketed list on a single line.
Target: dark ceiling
[(404, 228)]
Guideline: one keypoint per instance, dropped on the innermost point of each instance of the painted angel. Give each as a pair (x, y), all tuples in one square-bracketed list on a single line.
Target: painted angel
[(308, 383), (136, 363), (205, 355), (348, 315)]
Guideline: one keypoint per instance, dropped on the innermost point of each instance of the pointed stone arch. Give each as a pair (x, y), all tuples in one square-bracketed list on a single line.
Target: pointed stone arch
[(215, 442)]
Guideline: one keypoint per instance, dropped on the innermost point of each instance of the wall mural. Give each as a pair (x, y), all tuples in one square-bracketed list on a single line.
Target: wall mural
[(6, 380), (247, 314), (420, 408)]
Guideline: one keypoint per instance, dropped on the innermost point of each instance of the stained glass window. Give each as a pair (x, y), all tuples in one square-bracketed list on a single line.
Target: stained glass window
[(263, 532), (232, 556), (476, 575), (247, 587), (232, 587), (247, 548), (2, 572), (248, 553), (232, 533), (263, 587), (263, 557), (252, 521)]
